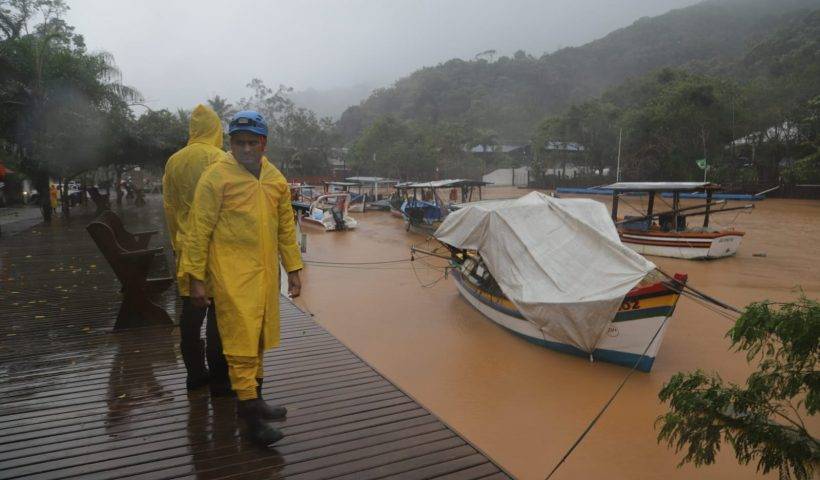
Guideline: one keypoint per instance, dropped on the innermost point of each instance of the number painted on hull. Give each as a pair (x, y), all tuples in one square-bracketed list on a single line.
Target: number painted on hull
[(630, 305)]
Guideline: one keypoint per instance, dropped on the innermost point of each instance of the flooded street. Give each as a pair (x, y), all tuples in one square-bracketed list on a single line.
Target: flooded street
[(522, 404)]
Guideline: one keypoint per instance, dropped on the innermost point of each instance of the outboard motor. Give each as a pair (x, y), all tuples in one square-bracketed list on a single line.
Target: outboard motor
[(338, 218)]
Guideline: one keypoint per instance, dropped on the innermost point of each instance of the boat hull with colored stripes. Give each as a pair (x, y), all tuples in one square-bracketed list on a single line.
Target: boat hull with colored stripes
[(687, 245), (642, 314)]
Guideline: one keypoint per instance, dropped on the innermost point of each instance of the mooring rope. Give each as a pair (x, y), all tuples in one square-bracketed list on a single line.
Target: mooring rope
[(699, 297), (608, 402)]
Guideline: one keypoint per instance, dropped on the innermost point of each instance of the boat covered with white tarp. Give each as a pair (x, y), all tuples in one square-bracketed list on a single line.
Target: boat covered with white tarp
[(554, 271)]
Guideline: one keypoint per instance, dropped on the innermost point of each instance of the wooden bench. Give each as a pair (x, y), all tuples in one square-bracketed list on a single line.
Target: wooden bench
[(101, 201), (129, 241), (132, 268)]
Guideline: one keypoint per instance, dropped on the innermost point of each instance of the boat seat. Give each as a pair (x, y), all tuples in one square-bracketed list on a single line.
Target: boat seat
[(640, 223), (667, 222)]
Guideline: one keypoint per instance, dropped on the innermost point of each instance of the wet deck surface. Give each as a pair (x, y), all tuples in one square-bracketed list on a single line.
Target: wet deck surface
[(78, 400)]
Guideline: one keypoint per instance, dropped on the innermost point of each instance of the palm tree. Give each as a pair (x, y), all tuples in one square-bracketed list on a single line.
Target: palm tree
[(222, 108)]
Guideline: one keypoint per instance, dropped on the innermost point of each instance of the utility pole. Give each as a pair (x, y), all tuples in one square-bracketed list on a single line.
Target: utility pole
[(618, 168), (705, 160)]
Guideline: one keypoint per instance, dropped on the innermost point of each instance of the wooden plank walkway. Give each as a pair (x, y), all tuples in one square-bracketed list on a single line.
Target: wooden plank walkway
[(80, 401)]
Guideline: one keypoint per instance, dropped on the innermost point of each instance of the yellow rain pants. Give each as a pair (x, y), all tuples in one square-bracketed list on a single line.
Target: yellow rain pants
[(243, 372), (238, 229), (182, 172)]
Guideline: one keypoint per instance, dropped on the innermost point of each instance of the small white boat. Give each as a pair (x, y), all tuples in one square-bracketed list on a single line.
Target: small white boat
[(372, 191), (357, 200), (666, 234), (331, 212), (424, 208)]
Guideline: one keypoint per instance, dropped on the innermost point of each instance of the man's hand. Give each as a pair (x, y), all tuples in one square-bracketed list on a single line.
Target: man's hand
[(294, 284), (198, 296)]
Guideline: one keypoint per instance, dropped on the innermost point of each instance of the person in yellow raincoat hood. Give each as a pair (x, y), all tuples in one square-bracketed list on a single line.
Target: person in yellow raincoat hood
[(241, 224), (182, 172)]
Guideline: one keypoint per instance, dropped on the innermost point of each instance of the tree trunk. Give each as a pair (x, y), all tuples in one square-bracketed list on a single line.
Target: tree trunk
[(117, 186), (66, 201), (83, 195), (41, 184)]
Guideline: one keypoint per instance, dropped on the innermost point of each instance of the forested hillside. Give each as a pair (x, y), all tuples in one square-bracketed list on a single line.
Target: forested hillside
[(756, 122), (510, 95)]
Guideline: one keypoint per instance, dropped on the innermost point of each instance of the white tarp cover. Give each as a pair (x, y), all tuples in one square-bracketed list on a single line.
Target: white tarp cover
[(560, 261)]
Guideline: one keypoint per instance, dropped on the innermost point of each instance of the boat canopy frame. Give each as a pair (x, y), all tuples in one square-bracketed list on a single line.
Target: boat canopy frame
[(653, 188), (467, 187), (371, 184)]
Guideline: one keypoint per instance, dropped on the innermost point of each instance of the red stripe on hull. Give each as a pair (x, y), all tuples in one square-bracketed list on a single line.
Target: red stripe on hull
[(661, 243), (694, 235)]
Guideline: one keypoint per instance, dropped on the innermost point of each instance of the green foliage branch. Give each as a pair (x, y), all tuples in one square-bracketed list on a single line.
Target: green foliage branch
[(763, 419)]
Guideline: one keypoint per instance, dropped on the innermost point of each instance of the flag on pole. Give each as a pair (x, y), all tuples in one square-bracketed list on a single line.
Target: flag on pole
[(701, 163)]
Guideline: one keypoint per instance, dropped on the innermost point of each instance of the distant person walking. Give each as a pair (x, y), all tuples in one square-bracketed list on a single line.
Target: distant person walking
[(52, 196), (241, 224), (182, 172)]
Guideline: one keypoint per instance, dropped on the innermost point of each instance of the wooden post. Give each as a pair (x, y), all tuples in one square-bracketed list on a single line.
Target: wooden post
[(708, 204), (675, 206), (615, 206), (650, 207)]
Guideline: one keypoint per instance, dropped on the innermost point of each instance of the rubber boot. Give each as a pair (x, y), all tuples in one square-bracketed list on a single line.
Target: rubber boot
[(193, 355), (258, 431), (269, 412), (220, 383)]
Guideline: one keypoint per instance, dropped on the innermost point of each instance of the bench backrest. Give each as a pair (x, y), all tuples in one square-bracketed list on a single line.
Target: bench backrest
[(126, 271), (125, 238)]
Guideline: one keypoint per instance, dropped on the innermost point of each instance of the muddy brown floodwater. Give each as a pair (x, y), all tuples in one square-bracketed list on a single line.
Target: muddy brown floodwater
[(522, 404)]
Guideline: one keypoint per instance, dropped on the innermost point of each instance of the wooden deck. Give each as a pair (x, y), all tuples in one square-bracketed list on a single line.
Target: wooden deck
[(79, 401)]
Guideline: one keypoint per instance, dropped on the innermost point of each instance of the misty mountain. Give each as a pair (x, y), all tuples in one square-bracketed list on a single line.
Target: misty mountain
[(330, 103), (512, 94)]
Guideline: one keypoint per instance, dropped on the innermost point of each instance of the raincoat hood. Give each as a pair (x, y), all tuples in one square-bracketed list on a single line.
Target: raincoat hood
[(205, 127)]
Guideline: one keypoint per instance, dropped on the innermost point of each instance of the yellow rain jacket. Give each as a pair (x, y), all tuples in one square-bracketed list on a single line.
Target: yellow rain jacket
[(238, 229), (182, 172)]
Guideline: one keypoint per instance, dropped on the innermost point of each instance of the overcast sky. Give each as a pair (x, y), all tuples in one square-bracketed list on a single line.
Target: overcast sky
[(180, 52)]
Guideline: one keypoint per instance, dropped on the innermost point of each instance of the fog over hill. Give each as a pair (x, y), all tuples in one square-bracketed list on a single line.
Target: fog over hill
[(510, 94), (330, 102)]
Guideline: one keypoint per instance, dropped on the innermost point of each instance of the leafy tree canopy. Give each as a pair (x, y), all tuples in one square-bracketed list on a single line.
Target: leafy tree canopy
[(763, 419)]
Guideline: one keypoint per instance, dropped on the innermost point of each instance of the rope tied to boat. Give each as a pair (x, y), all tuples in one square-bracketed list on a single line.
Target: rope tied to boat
[(699, 297), (608, 402)]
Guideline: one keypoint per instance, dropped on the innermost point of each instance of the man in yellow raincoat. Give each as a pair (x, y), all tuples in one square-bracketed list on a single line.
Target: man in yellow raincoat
[(241, 225), (182, 172)]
